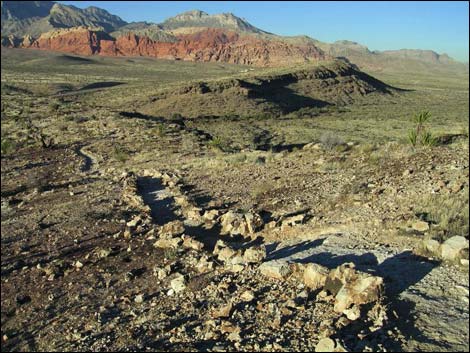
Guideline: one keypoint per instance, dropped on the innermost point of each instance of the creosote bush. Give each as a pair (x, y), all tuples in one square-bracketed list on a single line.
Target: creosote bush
[(120, 154), (331, 141)]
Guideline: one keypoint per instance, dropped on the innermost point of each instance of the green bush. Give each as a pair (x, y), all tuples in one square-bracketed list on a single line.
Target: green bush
[(8, 146), (217, 143), (161, 129)]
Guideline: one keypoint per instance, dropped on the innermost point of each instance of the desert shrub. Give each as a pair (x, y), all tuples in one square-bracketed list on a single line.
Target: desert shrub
[(176, 116), (448, 214), (46, 141), (161, 130), (120, 154), (260, 160), (306, 112), (236, 158), (367, 148), (330, 140), (53, 106), (258, 191), (419, 134), (8, 146), (262, 116), (217, 143)]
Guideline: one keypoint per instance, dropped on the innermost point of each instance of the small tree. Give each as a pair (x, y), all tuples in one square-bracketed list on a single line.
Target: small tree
[(419, 134)]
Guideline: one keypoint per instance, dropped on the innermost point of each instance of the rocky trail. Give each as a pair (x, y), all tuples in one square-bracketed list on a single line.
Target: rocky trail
[(418, 291), (159, 264), (159, 199), (424, 295)]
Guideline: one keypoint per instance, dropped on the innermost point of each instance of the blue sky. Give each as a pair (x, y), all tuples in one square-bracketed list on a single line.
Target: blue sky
[(442, 26)]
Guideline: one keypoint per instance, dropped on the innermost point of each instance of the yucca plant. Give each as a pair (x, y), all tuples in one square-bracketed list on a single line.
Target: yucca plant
[(413, 137), (427, 139), (419, 133)]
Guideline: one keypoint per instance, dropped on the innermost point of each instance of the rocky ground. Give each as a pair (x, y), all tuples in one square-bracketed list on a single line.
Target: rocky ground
[(103, 257), (127, 231)]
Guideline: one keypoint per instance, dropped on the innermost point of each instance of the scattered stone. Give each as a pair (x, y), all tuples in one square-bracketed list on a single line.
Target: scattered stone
[(431, 245), (191, 243), (225, 254), (139, 298), (407, 172), (255, 254), (194, 213), (235, 223), (420, 226), (178, 284), (235, 335), (456, 187), (289, 221), (222, 312), (182, 201), (275, 269), (247, 296), (315, 276), (235, 268), (211, 215), (172, 229), (325, 345), (168, 243), (203, 265), (134, 222), (160, 272), (253, 222), (219, 245), (353, 314), (356, 288), (103, 253), (453, 248)]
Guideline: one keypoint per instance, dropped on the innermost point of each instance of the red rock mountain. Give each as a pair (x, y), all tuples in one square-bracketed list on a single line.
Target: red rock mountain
[(208, 44), (192, 35)]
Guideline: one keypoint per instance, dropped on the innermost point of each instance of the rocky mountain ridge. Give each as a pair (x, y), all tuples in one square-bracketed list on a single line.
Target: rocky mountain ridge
[(192, 35)]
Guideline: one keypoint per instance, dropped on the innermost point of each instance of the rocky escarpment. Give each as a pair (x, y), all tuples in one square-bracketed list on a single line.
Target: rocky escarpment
[(208, 45)]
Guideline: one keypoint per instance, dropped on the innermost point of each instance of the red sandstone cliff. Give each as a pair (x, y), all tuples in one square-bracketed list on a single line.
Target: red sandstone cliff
[(207, 45)]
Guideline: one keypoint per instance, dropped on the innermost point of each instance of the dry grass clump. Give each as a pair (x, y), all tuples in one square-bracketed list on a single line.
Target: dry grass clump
[(447, 213)]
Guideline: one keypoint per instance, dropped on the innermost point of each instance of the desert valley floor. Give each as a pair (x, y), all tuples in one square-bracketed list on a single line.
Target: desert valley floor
[(150, 204)]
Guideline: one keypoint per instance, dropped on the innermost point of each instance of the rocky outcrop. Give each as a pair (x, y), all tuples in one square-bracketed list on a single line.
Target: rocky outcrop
[(78, 40), (209, 45)]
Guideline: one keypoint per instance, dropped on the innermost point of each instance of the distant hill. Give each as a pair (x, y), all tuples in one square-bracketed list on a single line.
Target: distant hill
[(391, 60), (192, 35)]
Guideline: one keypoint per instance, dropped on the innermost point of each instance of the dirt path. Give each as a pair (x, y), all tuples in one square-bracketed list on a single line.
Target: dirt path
[(90, 163)]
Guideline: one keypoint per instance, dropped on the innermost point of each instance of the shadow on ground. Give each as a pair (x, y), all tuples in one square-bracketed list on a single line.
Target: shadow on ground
[(400, 272)]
